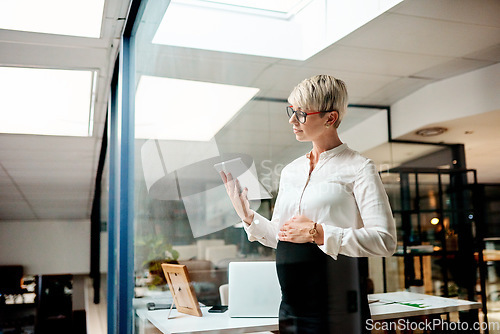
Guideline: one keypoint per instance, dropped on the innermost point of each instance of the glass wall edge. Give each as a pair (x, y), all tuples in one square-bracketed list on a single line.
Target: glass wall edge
[(113, 205), (126, 226), (136, 10), (121, 210)]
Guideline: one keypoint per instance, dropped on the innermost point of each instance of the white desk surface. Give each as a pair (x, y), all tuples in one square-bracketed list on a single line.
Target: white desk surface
[(208, 323), (390, 306)]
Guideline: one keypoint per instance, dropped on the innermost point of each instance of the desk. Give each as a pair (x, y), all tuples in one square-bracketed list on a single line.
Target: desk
[(393, 305), (208, 323)]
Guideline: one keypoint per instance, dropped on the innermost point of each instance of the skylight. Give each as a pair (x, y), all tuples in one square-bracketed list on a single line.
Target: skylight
[(75, 18), (175, 109), (45, 101), (296, 29), (277, 6)]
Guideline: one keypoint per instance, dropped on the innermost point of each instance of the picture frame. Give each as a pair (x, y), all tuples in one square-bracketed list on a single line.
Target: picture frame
[(181, 288)]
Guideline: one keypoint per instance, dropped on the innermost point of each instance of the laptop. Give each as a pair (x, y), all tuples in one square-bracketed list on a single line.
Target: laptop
[(254, 290)]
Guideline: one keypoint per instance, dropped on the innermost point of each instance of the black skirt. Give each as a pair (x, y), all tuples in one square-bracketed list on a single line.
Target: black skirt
[(320, 294)]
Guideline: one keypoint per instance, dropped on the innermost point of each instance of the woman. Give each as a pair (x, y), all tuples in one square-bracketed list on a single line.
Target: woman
[(331, 209)]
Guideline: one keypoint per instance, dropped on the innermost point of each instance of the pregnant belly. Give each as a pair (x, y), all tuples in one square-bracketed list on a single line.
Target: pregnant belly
[(302, 275)]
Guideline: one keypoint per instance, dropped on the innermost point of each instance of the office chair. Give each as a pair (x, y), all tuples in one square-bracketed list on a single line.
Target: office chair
[(224, 294)]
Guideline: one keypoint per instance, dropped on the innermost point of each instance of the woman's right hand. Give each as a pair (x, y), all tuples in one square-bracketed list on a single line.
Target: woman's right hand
[(238, 198)]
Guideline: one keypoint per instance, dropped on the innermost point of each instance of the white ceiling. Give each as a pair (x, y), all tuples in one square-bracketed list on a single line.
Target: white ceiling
[(412, 45), (481, 135), (48, 177)]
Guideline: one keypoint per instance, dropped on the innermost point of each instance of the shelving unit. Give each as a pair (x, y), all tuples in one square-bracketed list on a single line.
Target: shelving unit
[(437, 216)]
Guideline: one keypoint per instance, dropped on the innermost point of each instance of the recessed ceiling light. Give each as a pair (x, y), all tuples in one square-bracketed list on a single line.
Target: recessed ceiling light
[(174, 109), (45, 101), (74, 18), (276, 6), (263, 28), (429, 132)]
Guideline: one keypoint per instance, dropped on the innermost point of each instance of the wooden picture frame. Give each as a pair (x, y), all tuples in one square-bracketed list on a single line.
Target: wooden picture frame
[(182, 290)]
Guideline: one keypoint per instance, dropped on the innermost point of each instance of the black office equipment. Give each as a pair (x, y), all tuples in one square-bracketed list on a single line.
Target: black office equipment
[(54, 304)]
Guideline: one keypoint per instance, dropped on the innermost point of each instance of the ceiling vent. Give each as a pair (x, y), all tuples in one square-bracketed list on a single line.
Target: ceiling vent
[(429, 132)]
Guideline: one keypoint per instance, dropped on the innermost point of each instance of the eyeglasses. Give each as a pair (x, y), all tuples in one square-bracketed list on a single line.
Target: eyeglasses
[(301, 115)]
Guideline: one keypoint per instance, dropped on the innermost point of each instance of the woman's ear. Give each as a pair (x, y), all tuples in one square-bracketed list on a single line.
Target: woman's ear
[(332, 118)]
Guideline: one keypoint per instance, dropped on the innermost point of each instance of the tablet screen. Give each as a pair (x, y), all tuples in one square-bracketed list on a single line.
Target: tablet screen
[(246, 176)]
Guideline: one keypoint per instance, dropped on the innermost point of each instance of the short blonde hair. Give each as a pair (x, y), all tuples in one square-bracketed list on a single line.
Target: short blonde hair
[(321, 93)]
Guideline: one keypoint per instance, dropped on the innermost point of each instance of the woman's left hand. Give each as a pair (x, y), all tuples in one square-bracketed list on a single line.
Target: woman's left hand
[(296, 230)]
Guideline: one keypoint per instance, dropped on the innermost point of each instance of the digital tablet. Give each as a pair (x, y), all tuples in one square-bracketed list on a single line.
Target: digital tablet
[(247, 178)]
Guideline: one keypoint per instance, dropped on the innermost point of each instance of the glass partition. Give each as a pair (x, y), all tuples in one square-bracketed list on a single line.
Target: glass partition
[(434, 212), (197, 107), (415, 199), (193, 109)]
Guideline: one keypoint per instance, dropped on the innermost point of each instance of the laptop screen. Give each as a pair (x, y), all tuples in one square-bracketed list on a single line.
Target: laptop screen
[(254, 290)]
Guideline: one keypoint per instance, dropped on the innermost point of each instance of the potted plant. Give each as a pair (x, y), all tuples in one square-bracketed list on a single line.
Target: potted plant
[(157, 250)]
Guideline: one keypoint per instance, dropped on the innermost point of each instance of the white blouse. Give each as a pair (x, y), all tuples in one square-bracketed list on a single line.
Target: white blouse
[(344, 193)]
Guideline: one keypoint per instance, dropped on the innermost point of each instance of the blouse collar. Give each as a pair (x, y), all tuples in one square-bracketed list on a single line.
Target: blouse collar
[(330, 153)]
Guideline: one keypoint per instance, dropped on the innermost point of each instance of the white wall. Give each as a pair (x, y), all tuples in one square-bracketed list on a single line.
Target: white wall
[(46, 247), (468, 94), (368, 134)]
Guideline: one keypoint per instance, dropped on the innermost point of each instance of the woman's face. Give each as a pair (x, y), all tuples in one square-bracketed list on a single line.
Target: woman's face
[(314, 126)]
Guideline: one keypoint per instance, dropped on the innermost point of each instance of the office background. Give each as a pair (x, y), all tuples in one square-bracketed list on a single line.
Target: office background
[(432, 63)]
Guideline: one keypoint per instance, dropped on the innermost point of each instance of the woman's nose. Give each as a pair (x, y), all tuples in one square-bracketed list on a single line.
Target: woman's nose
[(293, 119)]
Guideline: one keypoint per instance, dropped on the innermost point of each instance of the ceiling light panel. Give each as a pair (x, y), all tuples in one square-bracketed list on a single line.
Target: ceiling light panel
[(45, 101), (201, 27), (278, 29), (278, 6), (173, 109), (74, 18)]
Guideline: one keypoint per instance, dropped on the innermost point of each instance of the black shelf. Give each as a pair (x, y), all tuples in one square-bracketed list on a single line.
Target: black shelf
[(459, 232)]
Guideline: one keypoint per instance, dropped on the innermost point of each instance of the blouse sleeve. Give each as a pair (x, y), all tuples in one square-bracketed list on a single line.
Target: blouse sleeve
[(377, 237), (264, 230)]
